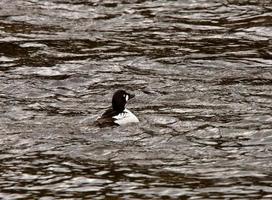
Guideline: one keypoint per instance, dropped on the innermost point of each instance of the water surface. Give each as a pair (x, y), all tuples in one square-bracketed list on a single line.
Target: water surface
[(202, 75)]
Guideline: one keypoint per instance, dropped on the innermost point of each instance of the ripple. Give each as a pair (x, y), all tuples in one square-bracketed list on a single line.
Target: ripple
[(201, 72)]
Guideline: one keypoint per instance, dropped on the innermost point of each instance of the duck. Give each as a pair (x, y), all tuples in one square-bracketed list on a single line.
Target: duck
[(118, 114)]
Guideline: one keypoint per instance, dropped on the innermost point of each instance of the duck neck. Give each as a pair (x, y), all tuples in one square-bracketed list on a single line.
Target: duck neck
[(118, 108)]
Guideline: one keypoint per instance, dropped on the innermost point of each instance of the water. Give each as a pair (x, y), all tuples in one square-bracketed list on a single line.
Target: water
[(202, 75)]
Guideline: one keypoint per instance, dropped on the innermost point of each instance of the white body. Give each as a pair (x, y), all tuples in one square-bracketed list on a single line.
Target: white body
[(125, 117)]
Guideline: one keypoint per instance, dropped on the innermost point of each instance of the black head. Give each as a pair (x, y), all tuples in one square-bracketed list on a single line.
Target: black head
[(119, 100)]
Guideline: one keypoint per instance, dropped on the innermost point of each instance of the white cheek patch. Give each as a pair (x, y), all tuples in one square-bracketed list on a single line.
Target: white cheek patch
[(127, 97)]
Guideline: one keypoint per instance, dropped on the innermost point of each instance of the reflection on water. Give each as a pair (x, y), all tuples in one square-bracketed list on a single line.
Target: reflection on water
[(202, 76)]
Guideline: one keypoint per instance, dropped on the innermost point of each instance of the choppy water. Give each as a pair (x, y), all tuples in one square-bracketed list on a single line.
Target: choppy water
[(202, 75)]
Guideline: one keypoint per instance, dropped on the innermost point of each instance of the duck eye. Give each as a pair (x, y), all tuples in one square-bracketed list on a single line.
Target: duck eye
[(126, 97)]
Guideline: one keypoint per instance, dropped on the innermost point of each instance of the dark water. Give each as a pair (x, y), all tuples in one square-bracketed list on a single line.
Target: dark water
[(202, 75)]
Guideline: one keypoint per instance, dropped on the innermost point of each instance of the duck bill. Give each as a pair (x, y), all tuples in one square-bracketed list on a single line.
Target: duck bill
[(131, 96)]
